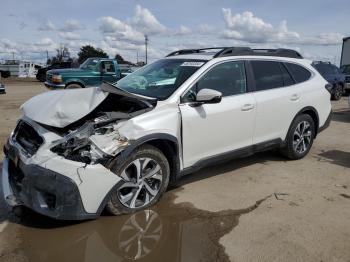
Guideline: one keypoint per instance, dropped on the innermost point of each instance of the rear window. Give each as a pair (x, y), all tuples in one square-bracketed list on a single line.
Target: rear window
[(267, 75), (299, 73)]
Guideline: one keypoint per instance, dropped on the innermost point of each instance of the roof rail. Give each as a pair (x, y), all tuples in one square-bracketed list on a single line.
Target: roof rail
[(193, 51), (241, 51), (282, 52)]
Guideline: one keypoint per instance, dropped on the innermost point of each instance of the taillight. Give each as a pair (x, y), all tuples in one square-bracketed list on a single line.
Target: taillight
[(329, 87)]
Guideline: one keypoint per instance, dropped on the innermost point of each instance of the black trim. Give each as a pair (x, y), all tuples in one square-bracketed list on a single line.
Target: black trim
[(326, 124), (249, 76), (238, 153)]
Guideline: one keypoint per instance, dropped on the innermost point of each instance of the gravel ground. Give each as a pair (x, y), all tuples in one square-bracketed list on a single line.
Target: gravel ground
[(259, 208)]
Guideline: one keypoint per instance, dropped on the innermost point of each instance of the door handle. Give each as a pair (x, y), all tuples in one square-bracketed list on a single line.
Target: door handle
[(294, 97), (247, 107)]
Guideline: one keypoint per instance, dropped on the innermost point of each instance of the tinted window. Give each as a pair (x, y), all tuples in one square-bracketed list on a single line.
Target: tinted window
[(267, 75), (287, 79), (228, 78), (108, 66), (299, 73)]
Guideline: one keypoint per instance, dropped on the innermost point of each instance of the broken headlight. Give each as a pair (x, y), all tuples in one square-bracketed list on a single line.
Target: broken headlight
[(91, 143)]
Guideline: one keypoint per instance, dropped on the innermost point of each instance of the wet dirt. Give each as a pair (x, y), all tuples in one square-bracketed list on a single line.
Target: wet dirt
[(165, 232)]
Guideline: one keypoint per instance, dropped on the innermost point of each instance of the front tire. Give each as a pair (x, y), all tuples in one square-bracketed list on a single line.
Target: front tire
[(145, 176), (73, 86), (300, 137)]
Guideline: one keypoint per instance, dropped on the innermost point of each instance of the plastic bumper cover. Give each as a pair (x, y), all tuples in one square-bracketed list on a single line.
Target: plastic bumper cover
[(41, 189)]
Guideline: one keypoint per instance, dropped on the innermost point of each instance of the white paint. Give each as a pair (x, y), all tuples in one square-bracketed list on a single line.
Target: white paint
[(60, 108)]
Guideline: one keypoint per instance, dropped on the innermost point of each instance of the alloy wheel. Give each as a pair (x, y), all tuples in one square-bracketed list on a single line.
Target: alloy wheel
[(302, 137), (142, 181)]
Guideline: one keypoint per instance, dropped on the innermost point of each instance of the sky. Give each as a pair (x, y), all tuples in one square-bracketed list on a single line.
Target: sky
[(29, 28)]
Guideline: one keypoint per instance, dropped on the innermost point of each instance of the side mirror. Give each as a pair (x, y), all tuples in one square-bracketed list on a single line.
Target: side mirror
[(208, 96)]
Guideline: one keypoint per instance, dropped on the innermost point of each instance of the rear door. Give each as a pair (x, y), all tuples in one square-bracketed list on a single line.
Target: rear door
[(278, 96), (214, 129)]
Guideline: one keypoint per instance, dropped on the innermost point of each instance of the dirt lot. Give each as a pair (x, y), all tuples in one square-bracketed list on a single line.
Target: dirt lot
[(260, 208)]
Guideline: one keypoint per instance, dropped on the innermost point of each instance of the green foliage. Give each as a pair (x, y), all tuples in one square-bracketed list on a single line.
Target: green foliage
[(90, 51)]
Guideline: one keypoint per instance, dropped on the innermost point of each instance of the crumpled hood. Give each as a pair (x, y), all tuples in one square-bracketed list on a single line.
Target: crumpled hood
[(62, 107)]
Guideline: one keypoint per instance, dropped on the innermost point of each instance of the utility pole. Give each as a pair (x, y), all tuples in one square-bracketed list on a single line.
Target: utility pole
[(137, 57), (47, 56), (146, 45), (13, 56)]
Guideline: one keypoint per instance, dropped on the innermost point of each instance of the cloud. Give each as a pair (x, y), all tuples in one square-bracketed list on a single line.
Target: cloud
[(71, 25), (44, 42), (146, 22), (183, 30), (114, 27), (47, 26), (249, 28), (69, 36)]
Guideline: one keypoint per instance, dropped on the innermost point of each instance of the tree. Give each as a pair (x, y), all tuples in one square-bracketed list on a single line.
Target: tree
[(121, 60), (62, 54), (90, 51)]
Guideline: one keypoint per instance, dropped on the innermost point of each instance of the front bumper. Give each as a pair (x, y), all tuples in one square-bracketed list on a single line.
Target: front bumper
[(54, 86), (40, 189)]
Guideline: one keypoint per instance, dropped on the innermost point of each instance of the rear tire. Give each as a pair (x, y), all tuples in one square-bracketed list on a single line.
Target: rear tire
[(338, 92), (300, 137), (145, 177)]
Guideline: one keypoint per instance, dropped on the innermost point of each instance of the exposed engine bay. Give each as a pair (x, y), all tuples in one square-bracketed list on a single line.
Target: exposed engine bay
[(95, 138)]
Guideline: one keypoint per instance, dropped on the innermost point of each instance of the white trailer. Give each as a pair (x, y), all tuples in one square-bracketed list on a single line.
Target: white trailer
[(345, 54)]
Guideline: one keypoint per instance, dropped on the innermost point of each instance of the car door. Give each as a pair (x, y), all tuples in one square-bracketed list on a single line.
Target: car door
[(108, 72), (210, 130), (278, 98)]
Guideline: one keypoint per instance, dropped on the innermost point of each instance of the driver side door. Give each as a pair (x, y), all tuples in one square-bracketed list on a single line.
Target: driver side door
[(211, 130)]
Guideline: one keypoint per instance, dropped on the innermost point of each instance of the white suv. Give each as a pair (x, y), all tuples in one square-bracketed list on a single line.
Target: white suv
[(118, 146)]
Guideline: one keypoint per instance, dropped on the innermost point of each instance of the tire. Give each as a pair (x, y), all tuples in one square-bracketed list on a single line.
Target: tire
[(73, 86), (338, 92), (294, 148), (131, 194)]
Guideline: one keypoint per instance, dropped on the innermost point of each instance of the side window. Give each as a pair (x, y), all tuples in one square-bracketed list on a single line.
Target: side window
[(228, 78), (299, 73), (287, 78), (267, 75), (108, 66)]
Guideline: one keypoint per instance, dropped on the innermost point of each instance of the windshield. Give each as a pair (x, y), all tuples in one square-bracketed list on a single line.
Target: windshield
[(346, 69), (89, 64), (161, 78)]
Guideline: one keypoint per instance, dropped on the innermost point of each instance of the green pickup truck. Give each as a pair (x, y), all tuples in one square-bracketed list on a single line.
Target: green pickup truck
[(91, 73)]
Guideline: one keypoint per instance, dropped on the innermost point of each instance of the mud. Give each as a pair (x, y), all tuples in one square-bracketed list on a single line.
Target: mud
[(166, 232)]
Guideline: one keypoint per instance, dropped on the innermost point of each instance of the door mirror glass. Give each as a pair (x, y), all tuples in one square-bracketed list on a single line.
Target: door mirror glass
[(208, 96)]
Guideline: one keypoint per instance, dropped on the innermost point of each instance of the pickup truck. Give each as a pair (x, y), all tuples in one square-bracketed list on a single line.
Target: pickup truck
[(91, 73)]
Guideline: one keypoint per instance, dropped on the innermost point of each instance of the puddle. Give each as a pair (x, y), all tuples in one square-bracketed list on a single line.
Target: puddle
[(166, 232)]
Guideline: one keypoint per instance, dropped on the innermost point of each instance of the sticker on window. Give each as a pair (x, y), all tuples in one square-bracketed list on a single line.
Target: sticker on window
[(194, 64)]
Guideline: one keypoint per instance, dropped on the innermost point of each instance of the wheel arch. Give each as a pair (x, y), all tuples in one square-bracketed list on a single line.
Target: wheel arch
[(312, 112), (75, 82), (166, 143)]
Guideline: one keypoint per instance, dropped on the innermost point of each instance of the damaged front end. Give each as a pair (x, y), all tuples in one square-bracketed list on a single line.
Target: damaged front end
[(95, 141), (53, 164)]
